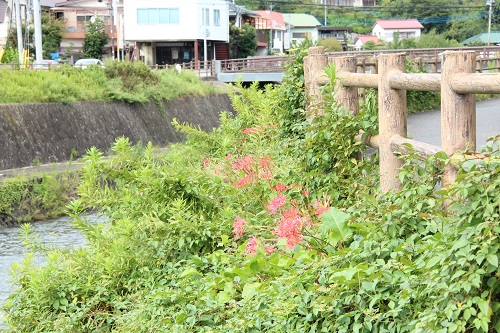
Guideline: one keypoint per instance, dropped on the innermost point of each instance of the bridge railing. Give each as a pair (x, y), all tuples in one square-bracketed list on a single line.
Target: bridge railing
[(458, 84), (254, 64)]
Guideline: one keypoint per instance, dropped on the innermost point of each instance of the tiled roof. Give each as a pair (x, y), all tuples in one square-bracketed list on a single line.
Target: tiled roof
[(3, 10), (265, 23), (301, 20), (399, 24), (365, 39), (483, 38)]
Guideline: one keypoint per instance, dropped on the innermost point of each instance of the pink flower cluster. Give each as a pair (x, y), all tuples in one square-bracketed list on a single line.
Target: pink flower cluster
[(253, 246), (239, 227), (276, 203), (251, 170), (290, 216)]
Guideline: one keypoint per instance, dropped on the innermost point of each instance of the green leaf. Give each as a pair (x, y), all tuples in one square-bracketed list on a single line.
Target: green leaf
[(432, 262), (249, 290), (484, 306), (335, 223), (224, 297), (190, 272), (492, 259)]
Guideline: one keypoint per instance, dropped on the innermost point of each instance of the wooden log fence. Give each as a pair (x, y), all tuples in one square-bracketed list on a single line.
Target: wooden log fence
[(458, 83), (430, 65)]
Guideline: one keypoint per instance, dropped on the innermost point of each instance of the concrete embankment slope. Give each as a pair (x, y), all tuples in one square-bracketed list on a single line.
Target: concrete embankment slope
[(50, 132)]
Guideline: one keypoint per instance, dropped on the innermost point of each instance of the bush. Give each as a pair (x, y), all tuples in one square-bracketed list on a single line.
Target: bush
[(231, 233), (129, 82)]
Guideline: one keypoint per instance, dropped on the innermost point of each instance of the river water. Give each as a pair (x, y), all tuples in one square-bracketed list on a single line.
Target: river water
[(52, 232)]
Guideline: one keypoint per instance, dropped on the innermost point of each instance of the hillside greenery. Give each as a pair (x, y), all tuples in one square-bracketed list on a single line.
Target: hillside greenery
[(270, 223), (131, 82), (454, 20)]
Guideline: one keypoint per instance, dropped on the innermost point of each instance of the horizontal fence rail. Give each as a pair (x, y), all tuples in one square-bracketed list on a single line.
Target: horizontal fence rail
[(488, 59), (254, 65), (458, 84)]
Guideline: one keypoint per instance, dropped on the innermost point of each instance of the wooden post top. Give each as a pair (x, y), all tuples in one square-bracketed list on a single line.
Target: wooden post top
[(316, 50)]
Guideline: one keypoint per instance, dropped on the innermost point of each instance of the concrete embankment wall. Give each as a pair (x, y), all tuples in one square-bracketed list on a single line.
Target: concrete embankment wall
[(49, 132)]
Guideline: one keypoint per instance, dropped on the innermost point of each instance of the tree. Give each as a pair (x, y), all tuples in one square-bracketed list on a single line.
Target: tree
[(95, 39), (52, 31), (434, 14), (330, 44), (288, 6), (242, 42), (434, 40), (369, 45)]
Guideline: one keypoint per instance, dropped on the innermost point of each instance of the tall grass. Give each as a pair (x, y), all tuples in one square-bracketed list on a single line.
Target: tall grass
[(118, 81)]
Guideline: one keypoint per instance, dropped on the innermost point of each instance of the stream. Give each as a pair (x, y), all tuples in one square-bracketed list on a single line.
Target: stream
[(52, 232)]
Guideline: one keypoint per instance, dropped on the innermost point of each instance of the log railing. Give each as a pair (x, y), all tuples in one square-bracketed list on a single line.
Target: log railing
[(458, 84)]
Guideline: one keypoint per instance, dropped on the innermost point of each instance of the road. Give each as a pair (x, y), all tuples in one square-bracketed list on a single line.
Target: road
[(425, 126)]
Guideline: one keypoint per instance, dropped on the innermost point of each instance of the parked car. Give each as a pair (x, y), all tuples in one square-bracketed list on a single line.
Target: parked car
[(84, 63)]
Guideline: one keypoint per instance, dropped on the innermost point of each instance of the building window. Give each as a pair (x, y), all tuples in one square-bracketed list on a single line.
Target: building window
[(298, 35), (158, 16), (205, 13), (84, 18), (217, 18)]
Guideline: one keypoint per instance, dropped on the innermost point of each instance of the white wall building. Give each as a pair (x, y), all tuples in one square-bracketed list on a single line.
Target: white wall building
[(300, 27), (385, 29), (176, 31)]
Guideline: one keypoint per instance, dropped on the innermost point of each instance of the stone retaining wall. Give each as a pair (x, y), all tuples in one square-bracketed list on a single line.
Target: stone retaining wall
[(50, 132)]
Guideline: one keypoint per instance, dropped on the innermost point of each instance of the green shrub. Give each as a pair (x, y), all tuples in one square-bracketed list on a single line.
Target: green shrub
[(130, 82), (236, 231)]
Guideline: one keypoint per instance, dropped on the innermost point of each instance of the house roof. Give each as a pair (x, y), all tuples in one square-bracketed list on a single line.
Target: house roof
[(301, 20), (323, 28), (48, 3), (483, 38), (270, 20), (236, 9), (365, 39), (399, 24), (3, 10)]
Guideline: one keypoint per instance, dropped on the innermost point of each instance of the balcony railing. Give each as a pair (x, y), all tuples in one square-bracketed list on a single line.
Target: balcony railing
[(79, 27)]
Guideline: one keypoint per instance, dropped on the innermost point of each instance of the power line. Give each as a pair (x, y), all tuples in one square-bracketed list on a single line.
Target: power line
[(377, 8)]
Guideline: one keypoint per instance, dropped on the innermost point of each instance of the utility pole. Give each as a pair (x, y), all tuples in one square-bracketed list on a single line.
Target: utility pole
[(271, 6), (37, 18), (326, 23), (20, 49), (489, 3)]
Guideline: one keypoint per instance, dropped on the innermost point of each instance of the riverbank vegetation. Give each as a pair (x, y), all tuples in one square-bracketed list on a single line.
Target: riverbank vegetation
[(31, 198), (270, 224), (130, 82)]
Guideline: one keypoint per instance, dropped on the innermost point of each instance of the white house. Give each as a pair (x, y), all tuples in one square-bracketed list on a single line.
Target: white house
[(362, 40), (175, 31), (301, 26), (5, 14), (385, 29)]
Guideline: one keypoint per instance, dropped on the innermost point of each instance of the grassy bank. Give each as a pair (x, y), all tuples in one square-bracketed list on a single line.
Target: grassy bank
[(119, 81), (36, 197)]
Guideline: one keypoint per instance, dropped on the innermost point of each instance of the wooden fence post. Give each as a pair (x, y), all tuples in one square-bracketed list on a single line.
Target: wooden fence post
[(458, 111), (479, 64), (346, 96), (392, 119), (314, 63)]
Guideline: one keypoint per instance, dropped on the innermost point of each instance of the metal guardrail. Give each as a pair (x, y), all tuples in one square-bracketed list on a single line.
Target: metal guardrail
[(254, 64)]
